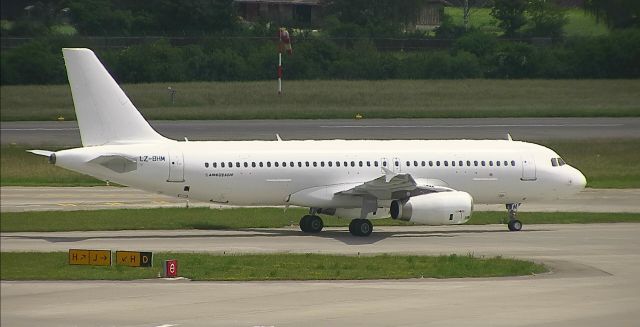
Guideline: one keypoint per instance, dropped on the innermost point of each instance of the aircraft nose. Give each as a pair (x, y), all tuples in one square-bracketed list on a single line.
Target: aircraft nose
[(577, 180)]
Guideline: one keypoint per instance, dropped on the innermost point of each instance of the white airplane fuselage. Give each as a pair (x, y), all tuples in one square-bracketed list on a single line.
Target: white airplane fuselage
[(236, 172)]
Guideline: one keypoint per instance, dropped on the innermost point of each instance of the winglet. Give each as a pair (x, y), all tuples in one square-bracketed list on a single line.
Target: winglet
[(388, 174)]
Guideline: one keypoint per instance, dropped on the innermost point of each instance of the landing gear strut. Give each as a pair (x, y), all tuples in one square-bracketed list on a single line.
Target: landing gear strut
[(311, 224), (514, 224), (360, 227)]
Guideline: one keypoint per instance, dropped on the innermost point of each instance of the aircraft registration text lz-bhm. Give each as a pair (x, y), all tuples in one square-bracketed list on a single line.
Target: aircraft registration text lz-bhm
[(431, 182)]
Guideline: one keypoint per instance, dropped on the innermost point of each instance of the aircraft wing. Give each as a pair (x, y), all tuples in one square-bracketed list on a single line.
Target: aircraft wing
[(392, 186)]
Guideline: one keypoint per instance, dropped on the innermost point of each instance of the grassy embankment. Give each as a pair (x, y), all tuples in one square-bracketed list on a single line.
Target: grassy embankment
[(343, 99), (606, 163), (579, 22), (199, 266), (216, 219)]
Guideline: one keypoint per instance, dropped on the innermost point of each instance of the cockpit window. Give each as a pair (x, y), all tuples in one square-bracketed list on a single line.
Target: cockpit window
[(557, 162)]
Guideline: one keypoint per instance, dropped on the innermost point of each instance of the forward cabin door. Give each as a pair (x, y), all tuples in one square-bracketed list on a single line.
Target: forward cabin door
[(176, 167), (528, 168)]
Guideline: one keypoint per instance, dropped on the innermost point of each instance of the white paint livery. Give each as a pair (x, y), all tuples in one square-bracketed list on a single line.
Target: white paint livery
[(424, 181)]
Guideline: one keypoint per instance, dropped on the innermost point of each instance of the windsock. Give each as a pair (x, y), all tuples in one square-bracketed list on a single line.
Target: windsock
[(285, 40)]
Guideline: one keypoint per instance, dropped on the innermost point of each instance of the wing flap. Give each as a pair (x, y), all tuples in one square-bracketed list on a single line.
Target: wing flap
[(392, 186)]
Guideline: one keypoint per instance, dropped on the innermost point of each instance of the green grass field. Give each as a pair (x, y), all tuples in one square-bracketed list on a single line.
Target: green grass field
[(216, 219), (606, 163), (344, 99), (200, 266), (579, 23)]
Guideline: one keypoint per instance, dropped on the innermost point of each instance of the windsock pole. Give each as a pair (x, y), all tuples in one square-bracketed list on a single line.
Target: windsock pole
[(280, 73)]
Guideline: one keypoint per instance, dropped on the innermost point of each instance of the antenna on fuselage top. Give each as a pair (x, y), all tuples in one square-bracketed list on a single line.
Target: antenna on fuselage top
[(509, 137)]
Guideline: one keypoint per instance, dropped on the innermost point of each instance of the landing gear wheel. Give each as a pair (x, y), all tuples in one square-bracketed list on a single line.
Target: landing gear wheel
[(360, 227), (304, 223), (311, 224), (515, 225), (315, 224)]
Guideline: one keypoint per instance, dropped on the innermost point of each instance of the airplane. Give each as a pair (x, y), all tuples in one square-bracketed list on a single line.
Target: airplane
[(429, 182)]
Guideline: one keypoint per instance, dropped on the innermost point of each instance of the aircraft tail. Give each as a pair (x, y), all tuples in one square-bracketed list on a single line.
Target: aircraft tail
[(105, 114)]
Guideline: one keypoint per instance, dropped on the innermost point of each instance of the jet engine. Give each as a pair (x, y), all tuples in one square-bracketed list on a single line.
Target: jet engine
[(442, 208)]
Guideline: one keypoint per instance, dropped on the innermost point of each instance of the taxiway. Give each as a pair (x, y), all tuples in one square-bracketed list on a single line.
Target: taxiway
[(595, 281)]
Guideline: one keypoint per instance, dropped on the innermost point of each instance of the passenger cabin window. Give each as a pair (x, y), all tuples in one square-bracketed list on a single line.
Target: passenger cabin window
[(268, 163), (206, 165), (513, 163), (215, 165), (375, 163)]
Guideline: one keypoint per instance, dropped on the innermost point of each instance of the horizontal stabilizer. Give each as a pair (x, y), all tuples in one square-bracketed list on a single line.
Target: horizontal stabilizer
[(41, 152)]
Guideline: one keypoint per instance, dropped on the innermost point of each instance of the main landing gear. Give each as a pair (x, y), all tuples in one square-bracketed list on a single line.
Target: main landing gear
[(513, 224), (360, 227), (311, 224)]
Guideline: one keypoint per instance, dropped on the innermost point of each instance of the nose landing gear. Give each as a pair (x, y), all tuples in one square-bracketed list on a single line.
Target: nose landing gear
[(514, 224)]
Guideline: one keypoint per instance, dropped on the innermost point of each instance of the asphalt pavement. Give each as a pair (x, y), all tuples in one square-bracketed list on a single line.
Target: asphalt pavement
[(66, 133)]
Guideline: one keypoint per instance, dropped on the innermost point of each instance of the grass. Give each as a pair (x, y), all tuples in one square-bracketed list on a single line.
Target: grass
[(344, 99), (239, 218), (579, 22), (18, 167), (199, 266), (607, 163)]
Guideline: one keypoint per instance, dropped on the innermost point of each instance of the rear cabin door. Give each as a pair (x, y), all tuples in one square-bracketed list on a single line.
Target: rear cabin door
[(176, 167)]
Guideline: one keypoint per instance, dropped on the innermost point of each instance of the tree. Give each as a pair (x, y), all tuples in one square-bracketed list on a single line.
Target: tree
[(547, 19), (379, 17), (616, 13), (468, 9), (510, 14)]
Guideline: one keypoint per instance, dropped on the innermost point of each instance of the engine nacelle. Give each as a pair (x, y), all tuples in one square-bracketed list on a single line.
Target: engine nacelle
[(443, 208)]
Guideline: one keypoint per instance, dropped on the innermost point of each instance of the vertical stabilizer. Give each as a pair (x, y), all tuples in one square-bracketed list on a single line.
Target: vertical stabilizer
[(105, 114)]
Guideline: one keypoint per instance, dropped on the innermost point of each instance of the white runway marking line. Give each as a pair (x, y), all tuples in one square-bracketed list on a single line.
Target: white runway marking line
[(39, 129), (471, 126)]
